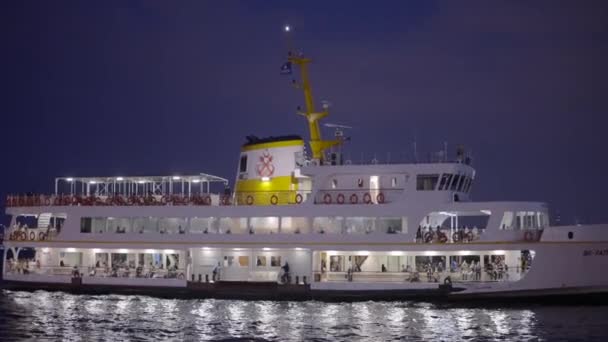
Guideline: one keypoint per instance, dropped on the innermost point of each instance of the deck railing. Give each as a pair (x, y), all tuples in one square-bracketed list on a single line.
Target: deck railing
[(120, 200)]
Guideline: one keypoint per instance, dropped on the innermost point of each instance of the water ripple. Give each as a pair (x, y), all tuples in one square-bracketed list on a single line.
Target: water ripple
[(51, 316)]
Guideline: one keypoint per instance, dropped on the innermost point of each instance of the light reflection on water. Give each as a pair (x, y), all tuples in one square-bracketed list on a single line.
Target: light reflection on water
[(59, 316)]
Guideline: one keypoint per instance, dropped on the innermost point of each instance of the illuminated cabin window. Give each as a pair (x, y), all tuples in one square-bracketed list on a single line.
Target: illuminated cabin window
[(334, 183), (264, 225), (260, 261), (360, 225), (328, 225), (203, 225), (394, 182), (426, 182), (294, 225)]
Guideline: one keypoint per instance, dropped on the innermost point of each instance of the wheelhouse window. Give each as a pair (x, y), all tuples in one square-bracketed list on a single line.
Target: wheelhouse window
[(444, 181), (426, 182), (455, 183), (461, 183)]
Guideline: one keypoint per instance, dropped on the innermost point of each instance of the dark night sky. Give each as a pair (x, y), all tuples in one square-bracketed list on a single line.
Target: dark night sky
[(144, 87)]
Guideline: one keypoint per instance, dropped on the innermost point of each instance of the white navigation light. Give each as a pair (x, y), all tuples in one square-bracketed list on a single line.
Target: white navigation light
[(287, 28), (119, 179), (70, 179), (265, 179), (176, 178)]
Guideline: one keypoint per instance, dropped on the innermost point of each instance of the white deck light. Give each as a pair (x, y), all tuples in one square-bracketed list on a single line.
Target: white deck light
[(122, 250), (70, 179), (71, 250), (141, 181), (92, 182), (119, 179), (265, 179), (196, 181), (96, 250), (176, 178), (169, 251), (287, 28)]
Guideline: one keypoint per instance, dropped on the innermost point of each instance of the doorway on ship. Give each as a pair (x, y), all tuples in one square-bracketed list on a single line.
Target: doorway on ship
[(374, 188)]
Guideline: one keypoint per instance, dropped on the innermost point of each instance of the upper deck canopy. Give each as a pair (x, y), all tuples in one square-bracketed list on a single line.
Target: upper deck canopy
[(138, 185)]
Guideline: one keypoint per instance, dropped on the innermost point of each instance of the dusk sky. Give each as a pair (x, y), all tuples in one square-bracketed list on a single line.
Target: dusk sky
[(157, 87)]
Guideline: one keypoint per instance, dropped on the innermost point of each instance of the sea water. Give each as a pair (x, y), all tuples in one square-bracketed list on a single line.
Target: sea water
[(59, 316)]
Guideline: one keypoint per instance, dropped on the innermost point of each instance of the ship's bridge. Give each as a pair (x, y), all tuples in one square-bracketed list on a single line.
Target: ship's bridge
[(380, 183)]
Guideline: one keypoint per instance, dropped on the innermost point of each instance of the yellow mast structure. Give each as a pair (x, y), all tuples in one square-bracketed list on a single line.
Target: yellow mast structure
[(317, 144)]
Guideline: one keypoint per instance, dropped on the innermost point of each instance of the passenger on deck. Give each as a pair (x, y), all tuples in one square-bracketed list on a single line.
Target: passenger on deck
[(464, 270), (216, 272), (61, 264), (383, 269), (181, 230)]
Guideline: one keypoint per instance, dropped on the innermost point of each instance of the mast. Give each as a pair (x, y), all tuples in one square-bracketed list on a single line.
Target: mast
[(317, 144)]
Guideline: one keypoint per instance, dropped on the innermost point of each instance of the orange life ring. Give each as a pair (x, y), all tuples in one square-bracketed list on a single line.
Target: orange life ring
[(249, 200), (327, 199), (340, 199), (354, 199), (274, 200), (443, 238), (299, 198), (367, 198), (225, 200), (380, 198), (23, 236), (32, 236), (47, 201), (207, 200), (41, 236)]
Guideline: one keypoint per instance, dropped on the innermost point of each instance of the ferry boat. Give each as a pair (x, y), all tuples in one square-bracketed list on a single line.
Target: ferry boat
[(302, 222)]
